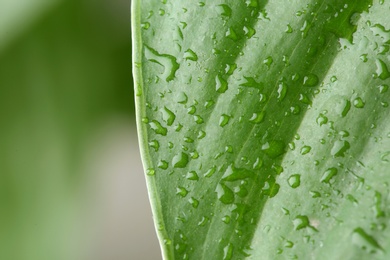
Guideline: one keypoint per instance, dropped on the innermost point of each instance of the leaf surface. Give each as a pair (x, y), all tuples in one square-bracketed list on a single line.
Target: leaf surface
[(264, 126)]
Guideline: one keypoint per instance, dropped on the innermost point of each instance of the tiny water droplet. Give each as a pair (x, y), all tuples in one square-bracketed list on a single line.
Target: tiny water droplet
[(268, 61), (180, 160), (198, 119), (226, 219), (154, 144), (158, 128), (168, 116), (169, 62), (191, 110), (163, 165), (340, 147), (274, 148), (249, 31), (257, 117), (194, 202), (294, 181), (347, 107), (300, 222), (224, 120), (328, 175), (225, 194), (231, 34), (310, 80), (305, 149), (190, 55), (150, 172), (181, 191), (365, 241), (221, 84), (228, 252), (322, 119), (358, 102), (382, 70), (192, 175), (211, 171), (225, 10), (282, 91)]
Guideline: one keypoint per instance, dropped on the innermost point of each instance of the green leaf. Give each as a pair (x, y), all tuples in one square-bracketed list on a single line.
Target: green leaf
[(279, 139)]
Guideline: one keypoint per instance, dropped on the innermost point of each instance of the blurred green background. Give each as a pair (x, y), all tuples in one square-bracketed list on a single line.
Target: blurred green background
[(71, 181)]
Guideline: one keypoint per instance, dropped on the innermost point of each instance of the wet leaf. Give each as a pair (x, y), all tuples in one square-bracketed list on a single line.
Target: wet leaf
[(292, 101)]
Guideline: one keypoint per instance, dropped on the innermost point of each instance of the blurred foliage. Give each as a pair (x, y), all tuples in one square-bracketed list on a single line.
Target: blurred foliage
[(69, 70)]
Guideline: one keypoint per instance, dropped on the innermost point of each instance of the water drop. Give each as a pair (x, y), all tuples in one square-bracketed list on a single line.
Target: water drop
[(226, 219), (282, 90), (191, 110), (211, 171), (289, 29), (181, 191), (382, 70), (154, 144), (150, 172), (192, 175), (339, 148), (268, 61), (322, 119), (257, 117), (310, 80), (180, 160), (274, 148), (231, 34), (365, 241), (158, 128), (190, 55), (198, 119), (194, 202), (225, 194), (228, 252), (358, 102), (383, 88), (168, 116), (167, 61), (300, 222), (225, 10), (328, 175), (163, 165), (249, 31), (305, 149), (221, 84), (224, 120), (347, 107), (294, 181)]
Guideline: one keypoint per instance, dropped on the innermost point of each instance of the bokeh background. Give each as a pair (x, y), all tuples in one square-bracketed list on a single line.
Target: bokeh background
[(71, 180)]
